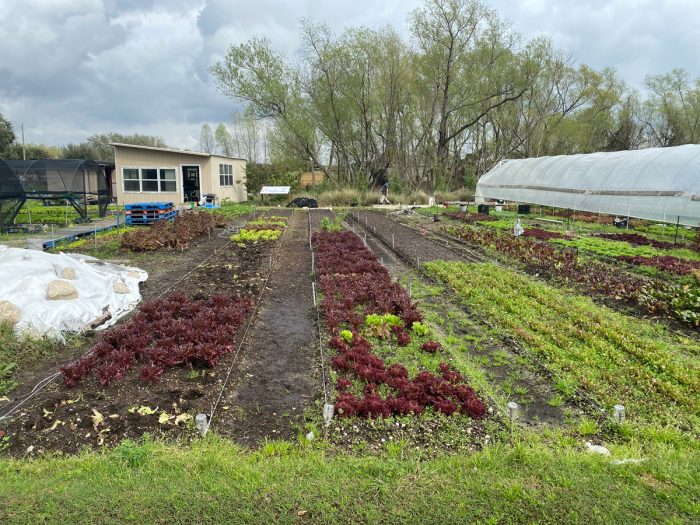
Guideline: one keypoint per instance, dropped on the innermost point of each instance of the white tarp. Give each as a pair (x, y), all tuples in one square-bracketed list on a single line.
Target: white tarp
[(24, 281), (661, 184)]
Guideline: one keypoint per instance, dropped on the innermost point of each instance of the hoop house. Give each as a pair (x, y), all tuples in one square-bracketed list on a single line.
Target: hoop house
[(78, 182), (660, 184)]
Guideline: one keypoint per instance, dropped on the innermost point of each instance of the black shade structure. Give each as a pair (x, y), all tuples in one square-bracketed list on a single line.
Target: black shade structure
[(76, 181)]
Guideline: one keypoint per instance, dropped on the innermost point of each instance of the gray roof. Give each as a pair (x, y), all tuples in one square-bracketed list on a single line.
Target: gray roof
[(172, 150)]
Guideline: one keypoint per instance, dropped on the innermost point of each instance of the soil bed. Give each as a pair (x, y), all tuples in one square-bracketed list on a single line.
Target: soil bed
[(64, 419), (276, 379)]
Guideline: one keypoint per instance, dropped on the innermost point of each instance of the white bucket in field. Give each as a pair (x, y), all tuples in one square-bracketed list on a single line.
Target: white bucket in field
[(462, 207)]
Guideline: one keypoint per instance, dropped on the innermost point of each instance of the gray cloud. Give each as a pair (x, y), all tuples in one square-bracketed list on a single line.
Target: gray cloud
[(71, 68)]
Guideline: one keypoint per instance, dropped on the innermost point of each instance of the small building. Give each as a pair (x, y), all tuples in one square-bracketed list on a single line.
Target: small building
[(148, 174)]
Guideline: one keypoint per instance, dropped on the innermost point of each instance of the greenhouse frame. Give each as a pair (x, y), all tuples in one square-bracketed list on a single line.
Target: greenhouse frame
[(76, 181), (659, 184)]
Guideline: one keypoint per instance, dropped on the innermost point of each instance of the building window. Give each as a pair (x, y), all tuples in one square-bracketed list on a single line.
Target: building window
[(225, 174), (168, 181), (131, 179), (152, 180)]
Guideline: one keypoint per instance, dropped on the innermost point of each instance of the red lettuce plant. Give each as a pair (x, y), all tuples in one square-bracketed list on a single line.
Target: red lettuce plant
[(354, 284), (166, 333)]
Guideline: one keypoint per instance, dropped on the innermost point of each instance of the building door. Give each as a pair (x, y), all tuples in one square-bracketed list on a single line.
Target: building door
[(190, 183)]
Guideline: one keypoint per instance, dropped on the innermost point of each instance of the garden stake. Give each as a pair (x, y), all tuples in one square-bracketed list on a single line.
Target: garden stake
[(328, 410), (619, 413), (512, 415), (392, 241), (313, 291), (200, 422)]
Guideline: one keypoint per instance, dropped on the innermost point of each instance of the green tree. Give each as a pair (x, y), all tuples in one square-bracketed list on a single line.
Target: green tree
[(673, 109), (258, 75), (98, 147), (468, 68), (224, 141), (7, 136)]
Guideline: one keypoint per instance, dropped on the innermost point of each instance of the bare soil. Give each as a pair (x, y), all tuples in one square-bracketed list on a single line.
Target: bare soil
[(276, 379)]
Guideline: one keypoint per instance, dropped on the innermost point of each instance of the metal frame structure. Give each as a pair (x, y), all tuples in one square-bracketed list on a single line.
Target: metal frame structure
[(72, 180)]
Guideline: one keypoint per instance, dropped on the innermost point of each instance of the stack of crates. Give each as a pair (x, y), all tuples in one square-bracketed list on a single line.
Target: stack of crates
[(146, 213)]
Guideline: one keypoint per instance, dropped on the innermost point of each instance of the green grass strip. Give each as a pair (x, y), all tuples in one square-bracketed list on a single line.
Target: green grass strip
[(217, 482)]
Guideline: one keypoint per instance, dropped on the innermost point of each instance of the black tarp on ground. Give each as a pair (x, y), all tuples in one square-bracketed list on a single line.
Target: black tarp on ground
[(303, 202)]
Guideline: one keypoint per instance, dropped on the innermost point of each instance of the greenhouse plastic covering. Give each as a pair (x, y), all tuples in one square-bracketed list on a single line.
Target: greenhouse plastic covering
[(660, 184)]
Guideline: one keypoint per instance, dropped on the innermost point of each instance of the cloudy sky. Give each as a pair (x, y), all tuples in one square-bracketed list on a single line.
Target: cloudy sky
[(72, 68)]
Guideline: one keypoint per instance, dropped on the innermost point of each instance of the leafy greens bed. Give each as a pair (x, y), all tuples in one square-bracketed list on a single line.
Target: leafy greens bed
[(360, 298)]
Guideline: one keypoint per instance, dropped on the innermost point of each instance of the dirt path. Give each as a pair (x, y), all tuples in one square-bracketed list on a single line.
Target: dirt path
[(276, 379)]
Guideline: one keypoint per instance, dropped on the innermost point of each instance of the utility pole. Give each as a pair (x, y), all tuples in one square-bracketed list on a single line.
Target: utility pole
[(24, 149)]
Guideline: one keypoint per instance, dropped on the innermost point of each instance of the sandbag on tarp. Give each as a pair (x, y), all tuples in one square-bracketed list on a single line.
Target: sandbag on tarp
[(51, 293)]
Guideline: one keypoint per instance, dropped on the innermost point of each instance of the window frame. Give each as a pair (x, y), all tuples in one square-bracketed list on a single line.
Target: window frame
[(226, 177), (159, 179)]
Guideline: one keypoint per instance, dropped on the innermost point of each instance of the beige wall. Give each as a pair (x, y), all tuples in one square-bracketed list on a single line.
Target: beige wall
[(208, 174), (235, 193)]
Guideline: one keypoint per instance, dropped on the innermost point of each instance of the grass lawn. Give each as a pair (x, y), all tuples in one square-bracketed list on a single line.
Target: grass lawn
[(216, 482)]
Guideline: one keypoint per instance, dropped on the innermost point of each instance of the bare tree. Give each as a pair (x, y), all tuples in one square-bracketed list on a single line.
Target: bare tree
[(206, 139)]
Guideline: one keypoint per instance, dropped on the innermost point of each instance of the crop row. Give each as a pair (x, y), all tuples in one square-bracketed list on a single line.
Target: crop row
[(638, 240), (165, 333), (176, 234), (469, 218), (359, 298), (263, 229), (602, 279), (616, 358)]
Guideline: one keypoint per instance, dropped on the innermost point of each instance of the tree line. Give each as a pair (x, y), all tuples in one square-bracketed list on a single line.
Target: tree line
[(440, 108), (95, 147)]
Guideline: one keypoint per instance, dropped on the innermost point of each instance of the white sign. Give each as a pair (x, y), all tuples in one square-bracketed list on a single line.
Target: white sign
[(275, 190)]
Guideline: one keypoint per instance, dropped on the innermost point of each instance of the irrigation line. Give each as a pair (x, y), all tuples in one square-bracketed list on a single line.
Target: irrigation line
[(324, 381), (41, 385), (243, 338)]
